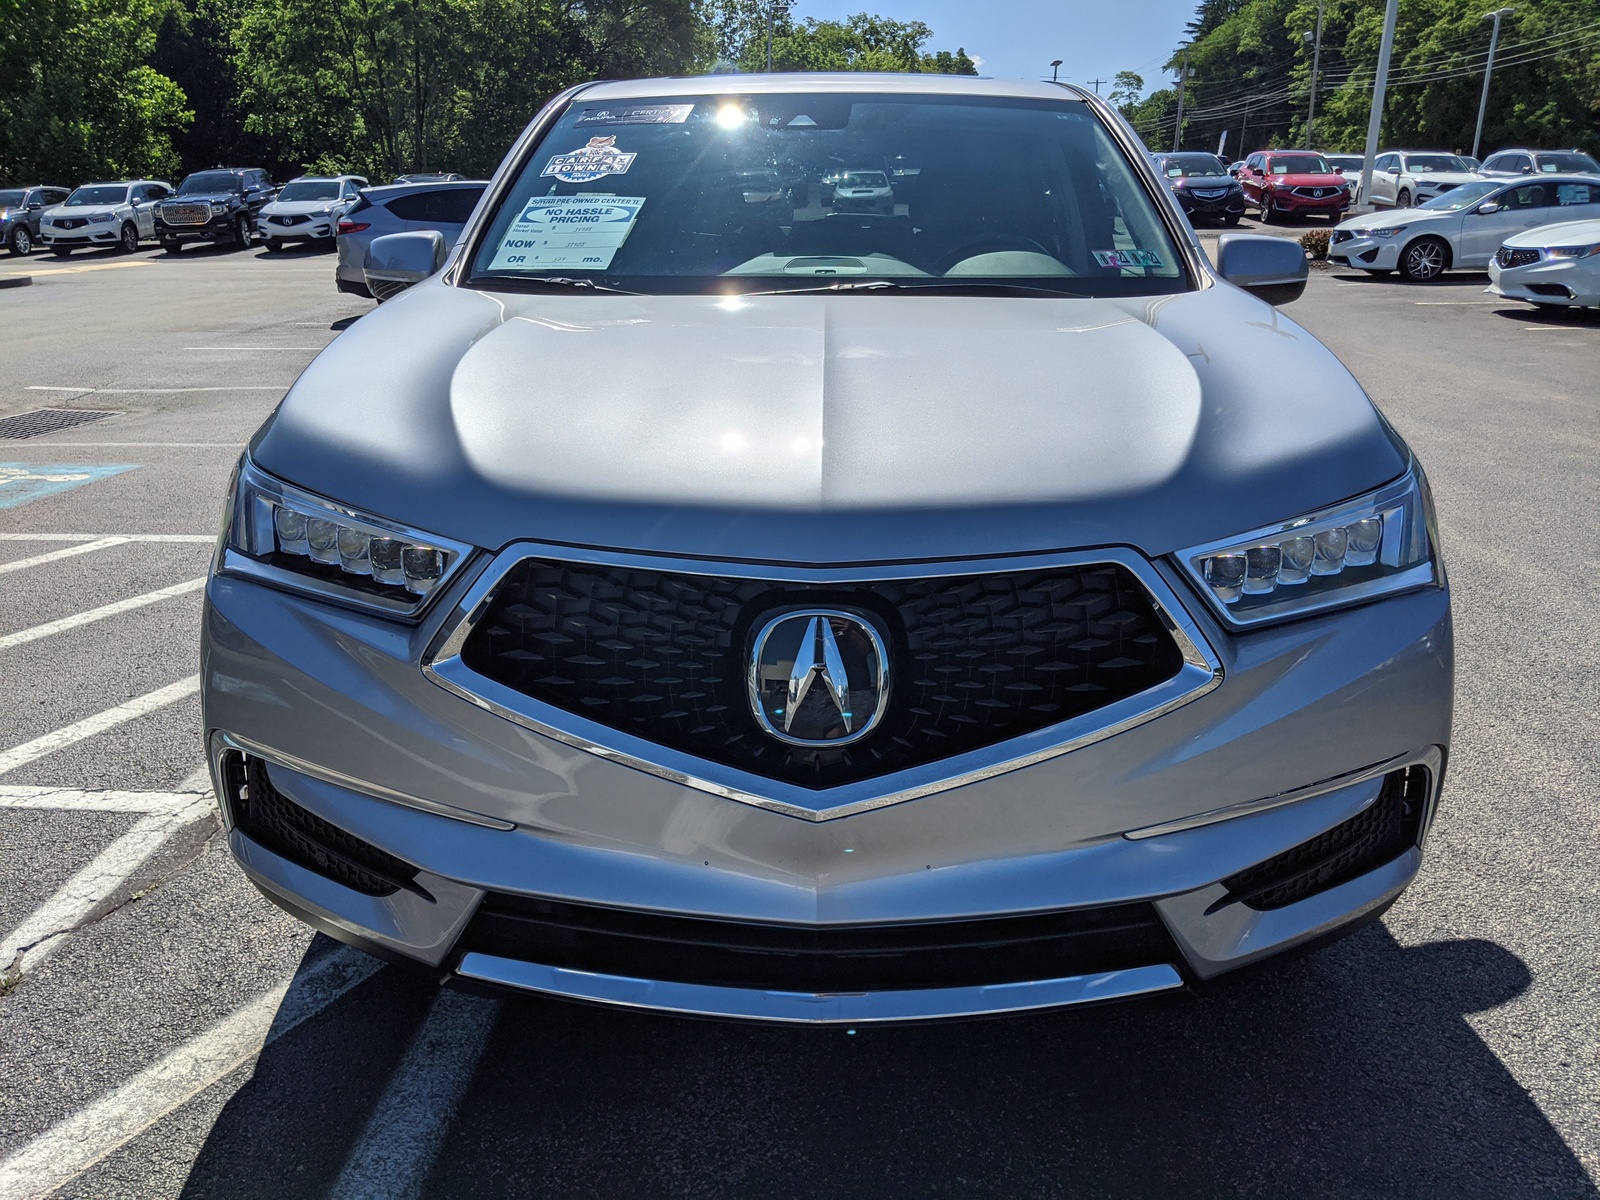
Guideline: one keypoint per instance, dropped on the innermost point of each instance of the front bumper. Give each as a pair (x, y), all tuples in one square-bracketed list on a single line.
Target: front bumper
[(1218, 208), (85, 235), (316, 229), (1288, 202), (1309, 720), (220, 228), (1366, 254), (1564, 282)]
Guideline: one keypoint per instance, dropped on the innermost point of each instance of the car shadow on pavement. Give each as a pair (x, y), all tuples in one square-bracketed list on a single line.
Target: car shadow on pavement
[(1469, 280), (1348, 1072), (1553, 315)]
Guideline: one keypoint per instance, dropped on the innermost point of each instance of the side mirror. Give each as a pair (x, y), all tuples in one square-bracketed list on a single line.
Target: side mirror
[(1487, 210), (1273, 269), (35, 205), (396, 261)]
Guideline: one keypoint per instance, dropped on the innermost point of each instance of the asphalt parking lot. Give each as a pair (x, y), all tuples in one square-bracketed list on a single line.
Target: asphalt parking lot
[(165, 1032)]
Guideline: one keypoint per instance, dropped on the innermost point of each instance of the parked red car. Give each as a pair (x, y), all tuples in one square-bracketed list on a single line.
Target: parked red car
[(1282, 182)]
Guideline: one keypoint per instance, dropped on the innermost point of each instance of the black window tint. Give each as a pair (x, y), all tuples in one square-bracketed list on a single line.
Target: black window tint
[(451, 207), (1532, 196)]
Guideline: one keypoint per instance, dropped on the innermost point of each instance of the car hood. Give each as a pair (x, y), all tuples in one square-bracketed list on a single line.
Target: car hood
[(83, 210), (202, 198), (1455, 177), (829, 429), (297, 208), (1565, 233), (1308, 180), (1390, 218)]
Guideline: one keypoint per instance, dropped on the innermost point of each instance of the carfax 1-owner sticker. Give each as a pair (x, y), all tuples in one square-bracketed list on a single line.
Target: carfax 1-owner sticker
[(580, 233), (594, 161)]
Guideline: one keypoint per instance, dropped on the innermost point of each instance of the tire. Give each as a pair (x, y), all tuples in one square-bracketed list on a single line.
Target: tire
[(128, 241), (272, 244), (21, 241), (244, 232), (1403, 200), (1267, 217), (1231, 219), (61, 251), (172, 246), (1425, 259)]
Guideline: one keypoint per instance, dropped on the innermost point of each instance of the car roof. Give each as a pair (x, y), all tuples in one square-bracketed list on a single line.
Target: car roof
[(864, 81), (389, 191)]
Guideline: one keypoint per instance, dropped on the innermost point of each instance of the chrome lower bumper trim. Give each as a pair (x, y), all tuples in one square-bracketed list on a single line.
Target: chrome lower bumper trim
[(848, 1008)]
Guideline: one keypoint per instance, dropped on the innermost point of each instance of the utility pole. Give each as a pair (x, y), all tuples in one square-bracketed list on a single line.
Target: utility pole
[(1055, 70), (1488, 70), (1096, 85), (1183, 79), (771, 7), (1316, 63), (1379, 86)]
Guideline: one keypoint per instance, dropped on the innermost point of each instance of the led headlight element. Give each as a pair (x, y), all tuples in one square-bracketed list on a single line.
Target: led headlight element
[(282, 535), (1369, 547), (1559, 252)]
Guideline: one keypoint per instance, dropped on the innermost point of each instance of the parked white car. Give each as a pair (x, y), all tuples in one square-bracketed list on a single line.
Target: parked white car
[(308, 209), (1553, 266), (104, 214), (863, 191), (1462, 228), (1402, 178)]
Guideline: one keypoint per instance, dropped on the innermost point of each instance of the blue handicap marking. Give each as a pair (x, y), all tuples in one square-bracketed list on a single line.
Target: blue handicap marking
[(22, 482)]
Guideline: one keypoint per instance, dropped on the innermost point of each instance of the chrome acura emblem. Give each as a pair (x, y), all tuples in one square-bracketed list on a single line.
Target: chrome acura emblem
[(818, 677)]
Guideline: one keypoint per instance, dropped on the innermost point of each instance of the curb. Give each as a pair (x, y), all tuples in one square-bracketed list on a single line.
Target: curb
[(12, 281)]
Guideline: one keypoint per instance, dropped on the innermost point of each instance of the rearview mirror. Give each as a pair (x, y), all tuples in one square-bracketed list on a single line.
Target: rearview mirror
[(1273, 269), (1488, 210), (396, 261)]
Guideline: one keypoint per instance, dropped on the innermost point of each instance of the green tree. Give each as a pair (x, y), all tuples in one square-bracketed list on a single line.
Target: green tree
[(861, 43), (78, 98)]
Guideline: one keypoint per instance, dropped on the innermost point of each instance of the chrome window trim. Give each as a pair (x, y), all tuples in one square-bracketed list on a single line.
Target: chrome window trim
[(817, 1008), (1200, 673)]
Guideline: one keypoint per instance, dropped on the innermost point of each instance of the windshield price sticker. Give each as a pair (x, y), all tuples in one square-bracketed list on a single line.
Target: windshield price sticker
[(635, 114), (1127, 258), (594, 161), (580, 233)]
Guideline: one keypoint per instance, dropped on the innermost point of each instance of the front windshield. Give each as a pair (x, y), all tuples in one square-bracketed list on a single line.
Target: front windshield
[(1556, 163), (1464, 196), (752, 193), (1434, 162), (321, 189), (209, 181), (1350, 162), (102, 194), (1200, 164), (10, 199), (1301, 164)]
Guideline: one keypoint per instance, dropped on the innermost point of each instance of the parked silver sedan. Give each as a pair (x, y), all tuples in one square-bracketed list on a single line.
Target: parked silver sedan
[(854, 617), (398, 208)]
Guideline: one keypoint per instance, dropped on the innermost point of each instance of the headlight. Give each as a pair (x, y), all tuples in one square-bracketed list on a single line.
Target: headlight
[(219, 206), (284, 536), (101, 218), (1377, 545), (1571, 251), (1388, 232)]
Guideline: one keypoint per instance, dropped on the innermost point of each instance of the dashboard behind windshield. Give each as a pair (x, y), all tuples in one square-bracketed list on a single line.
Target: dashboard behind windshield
[(209, 181), (741, 193), (294, 193), (86, 196)]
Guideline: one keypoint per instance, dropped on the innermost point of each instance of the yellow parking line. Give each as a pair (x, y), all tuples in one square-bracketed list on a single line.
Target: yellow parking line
[(112, 266)]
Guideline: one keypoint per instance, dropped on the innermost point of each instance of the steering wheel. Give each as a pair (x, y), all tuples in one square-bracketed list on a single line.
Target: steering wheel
[(990, 245)]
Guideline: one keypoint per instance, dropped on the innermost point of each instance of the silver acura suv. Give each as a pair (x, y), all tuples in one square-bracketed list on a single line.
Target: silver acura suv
[(784, 613)]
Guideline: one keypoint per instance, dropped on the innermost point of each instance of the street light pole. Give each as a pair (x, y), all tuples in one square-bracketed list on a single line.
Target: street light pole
[(1183, 79), (1488, 70), (1379, 86), (1316, 64), (771, 7)]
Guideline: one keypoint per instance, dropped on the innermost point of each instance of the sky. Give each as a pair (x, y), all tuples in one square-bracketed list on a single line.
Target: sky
[(1016, 39)]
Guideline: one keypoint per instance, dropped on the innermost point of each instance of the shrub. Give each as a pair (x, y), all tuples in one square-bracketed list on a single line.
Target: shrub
[(1315, 243)]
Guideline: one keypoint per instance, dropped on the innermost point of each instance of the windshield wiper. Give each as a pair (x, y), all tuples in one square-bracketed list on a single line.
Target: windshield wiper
[(530, 283), (975, 287)]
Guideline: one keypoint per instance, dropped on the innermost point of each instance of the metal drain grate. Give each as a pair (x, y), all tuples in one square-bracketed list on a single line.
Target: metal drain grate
[(48, 420)]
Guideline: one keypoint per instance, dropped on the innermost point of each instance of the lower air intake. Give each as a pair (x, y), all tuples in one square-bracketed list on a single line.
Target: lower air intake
[(1377, 835), (266, 816)]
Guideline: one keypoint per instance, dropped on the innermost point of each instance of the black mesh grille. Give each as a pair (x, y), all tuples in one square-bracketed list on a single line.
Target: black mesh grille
[(799, 958), (1379, 834), (266, 815), (1509, 257), (48, 420), (973, 660)]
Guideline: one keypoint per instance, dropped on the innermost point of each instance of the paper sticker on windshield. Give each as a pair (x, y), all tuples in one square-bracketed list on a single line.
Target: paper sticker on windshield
[(595, 161), (1127, 258), (573, 233), (635, 114)]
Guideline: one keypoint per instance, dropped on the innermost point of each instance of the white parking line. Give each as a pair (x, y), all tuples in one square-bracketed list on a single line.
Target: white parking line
[(301, 348), (403, 1136), (22, 564), (47, 927), (110, 539), (21, 755), (153, 445), (61, 1154), (81, 800), (99, 391), (98, 614)]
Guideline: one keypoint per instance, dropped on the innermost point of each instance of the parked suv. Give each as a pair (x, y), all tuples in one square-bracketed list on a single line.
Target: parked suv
[(1402, 178), (1284, 182), (1539, 162), (103, 214), (400, 208), (214, 206), (308, 209), (20, 210)]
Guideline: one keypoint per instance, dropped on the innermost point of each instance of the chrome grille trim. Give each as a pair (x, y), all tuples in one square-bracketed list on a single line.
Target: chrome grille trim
[(1201, 673), (186, 214)]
